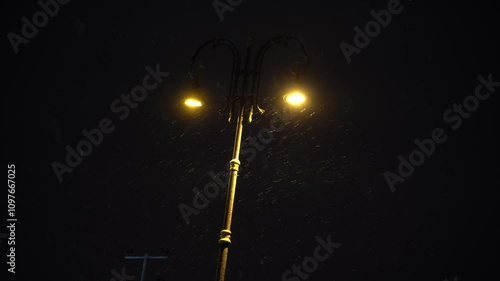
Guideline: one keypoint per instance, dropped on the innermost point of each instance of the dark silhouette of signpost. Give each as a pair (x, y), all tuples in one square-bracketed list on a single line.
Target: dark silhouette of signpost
[(145, 259)]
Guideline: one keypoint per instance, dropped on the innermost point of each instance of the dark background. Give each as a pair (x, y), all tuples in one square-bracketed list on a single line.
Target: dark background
[(322, 175)]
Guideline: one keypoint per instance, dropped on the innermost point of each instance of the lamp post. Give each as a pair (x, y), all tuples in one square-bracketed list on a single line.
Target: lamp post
[(238, 100)]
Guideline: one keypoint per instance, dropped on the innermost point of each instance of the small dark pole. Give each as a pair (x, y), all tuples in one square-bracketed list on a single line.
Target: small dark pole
[(146, 257)]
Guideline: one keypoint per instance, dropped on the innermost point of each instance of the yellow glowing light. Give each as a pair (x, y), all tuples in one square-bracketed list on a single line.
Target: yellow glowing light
[(295, 98), (193, 103)]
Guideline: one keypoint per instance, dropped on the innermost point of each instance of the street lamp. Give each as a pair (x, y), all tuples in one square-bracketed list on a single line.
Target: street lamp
[(237, 100), (194, 97), (191, 102), (294, 98)]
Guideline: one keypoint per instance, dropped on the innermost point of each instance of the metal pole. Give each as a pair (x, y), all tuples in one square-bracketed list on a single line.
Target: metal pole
[(225, 234), (234, 166)]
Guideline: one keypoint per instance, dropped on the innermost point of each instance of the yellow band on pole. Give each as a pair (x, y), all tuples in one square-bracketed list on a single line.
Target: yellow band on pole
[(225, 236), (234, 165)]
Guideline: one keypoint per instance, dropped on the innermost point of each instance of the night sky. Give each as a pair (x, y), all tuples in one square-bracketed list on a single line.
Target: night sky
[(328, 174)]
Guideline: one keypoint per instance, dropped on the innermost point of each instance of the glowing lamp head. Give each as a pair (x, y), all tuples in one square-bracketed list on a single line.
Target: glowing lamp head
[(295, 98), (193, 103)]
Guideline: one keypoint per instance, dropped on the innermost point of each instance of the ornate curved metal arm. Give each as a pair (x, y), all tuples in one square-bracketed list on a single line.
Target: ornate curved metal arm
[(235, 67), (260, 56)]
